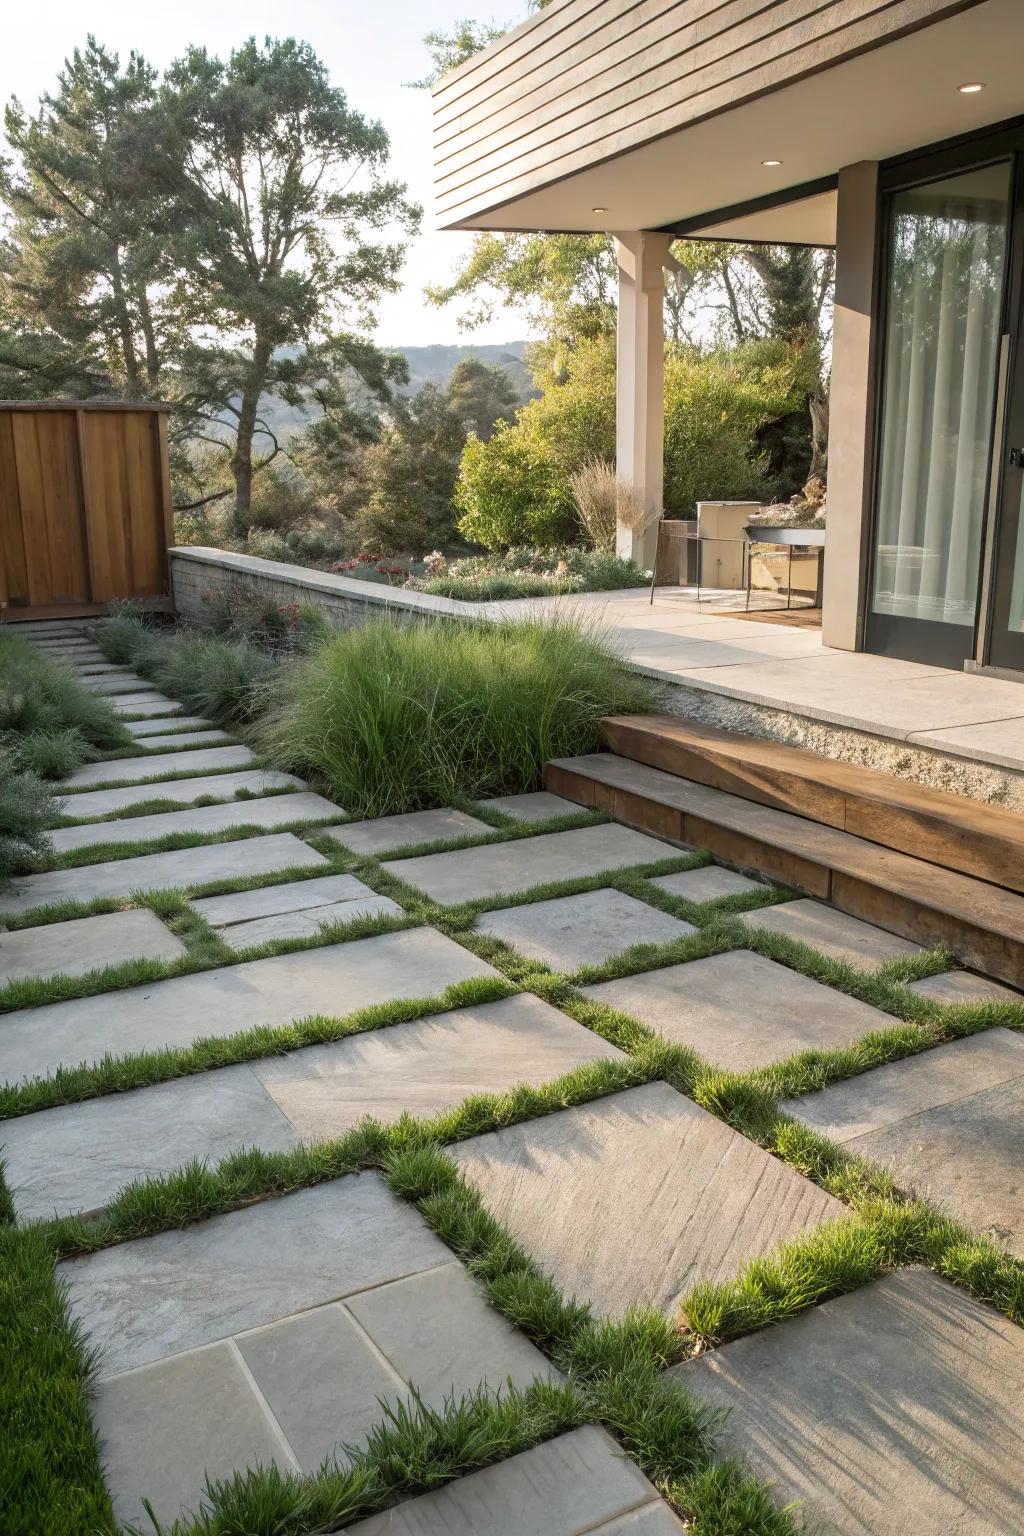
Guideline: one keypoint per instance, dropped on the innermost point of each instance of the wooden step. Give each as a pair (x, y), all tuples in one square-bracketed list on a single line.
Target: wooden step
[(931, 824), (980, 922)]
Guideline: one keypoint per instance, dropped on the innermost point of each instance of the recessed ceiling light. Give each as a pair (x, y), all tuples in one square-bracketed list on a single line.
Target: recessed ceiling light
[(971, 87), (599, 210), (771, 162)]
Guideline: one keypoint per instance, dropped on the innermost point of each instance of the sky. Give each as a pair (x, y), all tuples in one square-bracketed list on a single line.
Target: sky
[(370, 49)]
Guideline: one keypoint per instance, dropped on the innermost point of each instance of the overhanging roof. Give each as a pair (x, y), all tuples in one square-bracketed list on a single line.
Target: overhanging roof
[(655, 114)]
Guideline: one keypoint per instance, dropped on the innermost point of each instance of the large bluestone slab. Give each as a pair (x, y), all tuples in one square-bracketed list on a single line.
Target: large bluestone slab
[(148, 702), (307, 924), (580, 1484), (953, 987), (540, 805), (834, 933), (86, 944), (948, 1124), (387, 832), (129, 769), (182, 741), (271, 900), (115, 682), (896, 1409), (185, 868), (740, 1010), (581, 930), (629, 1201), (276, 1287), (217, 786), (155, 727), (266, 813), (710, 883), (495, 869), (335, 980), (77, 1156)]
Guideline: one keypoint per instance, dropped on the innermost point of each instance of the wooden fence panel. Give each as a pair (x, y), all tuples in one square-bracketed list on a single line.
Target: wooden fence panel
[(84, 505)]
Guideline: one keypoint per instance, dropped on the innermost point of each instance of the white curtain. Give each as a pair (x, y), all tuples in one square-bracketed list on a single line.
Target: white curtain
[(947, 251)]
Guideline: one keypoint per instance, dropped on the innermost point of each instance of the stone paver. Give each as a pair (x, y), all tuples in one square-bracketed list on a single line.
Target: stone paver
[(740, 1010), (581, 930), (182, 740), (115, 682), (579, 1484), (388, 832), (306, 925), (632, 1199), (183, 867), (472, 874), (427, 1065), (892, 1410), (948, 1123), (76, 1157), (832, 932), (337, 979), (269, 900), (964, 987), (218, 786), (85, 944), (148, 703), (541, 805), (155, 727), (266, 813), (159, 765), (710, 883)]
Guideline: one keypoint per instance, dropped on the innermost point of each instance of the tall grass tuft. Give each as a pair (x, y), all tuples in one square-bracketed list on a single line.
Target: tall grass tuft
[(47, 715), (397, 718)]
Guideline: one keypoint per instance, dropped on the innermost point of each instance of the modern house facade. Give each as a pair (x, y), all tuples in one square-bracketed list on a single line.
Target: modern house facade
[(892, 130)]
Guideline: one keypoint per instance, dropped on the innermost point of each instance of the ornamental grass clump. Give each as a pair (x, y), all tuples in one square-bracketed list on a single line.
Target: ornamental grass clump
[(396, 718)]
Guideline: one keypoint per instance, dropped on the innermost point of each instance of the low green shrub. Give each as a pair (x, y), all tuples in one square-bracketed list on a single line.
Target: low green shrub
[(395, 718), (41, 700), (530, 573), (26, 808)]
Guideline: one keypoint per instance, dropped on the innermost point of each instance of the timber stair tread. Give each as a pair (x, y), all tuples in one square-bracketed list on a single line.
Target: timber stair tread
[(931, 824), (980, 922)]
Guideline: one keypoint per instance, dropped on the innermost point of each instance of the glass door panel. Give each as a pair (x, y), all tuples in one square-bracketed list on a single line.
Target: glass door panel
[(945, 275), (1007, 630)]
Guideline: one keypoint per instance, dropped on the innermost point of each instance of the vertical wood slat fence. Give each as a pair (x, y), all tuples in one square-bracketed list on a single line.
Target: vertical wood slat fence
[(85, 506)]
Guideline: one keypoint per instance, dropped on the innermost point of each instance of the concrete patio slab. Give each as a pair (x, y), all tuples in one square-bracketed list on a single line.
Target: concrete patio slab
[(155, 727), (184, 868), (219, 786), (427, 1065), (159, 765), (964, 987), (541, 805), (265, 813), (896, 1408), (581, 930), (996, 741), (632, 1199), (337, 979), (76, 1157), (148, 703), (306, 925), (387, 832), (269, 900), (579, 1484), (182, 740), (834, 933), (948, 1124), (739, 1010), (155, 1297), (710, 883), (85, 944), (472, 874)]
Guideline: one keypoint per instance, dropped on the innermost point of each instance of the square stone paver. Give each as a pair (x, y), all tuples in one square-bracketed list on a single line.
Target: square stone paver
[(306, 925), (155, 727), (129, 769), (269, 900), (739, 1010), (212, 786), (86, 944), (427, 1065), (387, 832), (581, 930), (184, 868), (948, 1124), (709, 883), (834, 933), (268, 812), (473, 874), (541, 805), (580, 1484), (335, 980), (631, 1200), (896, 1409), (964, 987)]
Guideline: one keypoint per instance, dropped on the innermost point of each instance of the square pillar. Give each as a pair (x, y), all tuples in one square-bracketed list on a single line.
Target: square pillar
[(640, 381), (851, 409)]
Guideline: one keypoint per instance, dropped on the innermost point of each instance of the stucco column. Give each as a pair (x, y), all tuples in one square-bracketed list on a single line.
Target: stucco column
[(640, 379), (851, 409)]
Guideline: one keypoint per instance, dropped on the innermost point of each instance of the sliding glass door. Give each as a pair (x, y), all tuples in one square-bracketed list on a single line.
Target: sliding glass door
[(945, 275), (1005, 643)]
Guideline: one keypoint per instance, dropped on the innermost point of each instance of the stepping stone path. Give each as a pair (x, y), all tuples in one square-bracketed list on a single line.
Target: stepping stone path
[(273, 1334)]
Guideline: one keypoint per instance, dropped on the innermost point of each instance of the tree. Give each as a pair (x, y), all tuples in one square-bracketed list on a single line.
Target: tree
[(480, 395), (282, 214)]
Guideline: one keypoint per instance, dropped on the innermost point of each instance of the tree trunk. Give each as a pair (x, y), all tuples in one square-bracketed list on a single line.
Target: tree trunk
[(133, 381), (241, 459), (152, 355), (818, 405)]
